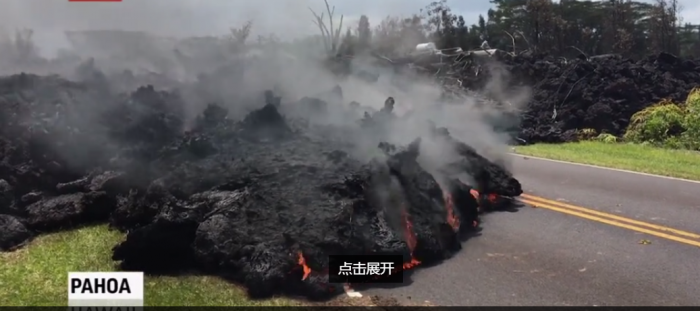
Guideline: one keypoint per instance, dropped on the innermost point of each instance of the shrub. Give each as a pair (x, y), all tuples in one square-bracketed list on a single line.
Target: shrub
[(655, 124), (606, 138), (691, 122), (673, 143), (586, 134)]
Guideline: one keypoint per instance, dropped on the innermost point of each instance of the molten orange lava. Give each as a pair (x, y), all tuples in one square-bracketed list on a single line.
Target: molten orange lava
[(474, 193), (302, 263), (408, 232), (410, 240), (408, 265), (493, 198), (452, 219)]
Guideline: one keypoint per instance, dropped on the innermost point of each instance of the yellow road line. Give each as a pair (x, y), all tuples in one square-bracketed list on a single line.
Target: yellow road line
[(613, 223), (611, 216)]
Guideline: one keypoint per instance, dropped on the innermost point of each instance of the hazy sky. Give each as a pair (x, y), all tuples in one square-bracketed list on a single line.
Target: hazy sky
[(214, 17)]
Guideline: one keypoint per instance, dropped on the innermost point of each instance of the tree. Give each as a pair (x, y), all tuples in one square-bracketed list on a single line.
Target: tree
[(364, 33), (397, 36), (663, 26), (349, 43), (630, 28), (330, 37)]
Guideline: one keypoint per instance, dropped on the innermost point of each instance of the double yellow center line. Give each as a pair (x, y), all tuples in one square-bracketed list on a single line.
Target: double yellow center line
[(614, 220)]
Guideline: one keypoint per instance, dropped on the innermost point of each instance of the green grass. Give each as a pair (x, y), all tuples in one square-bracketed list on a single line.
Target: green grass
[(37, 274), (633, 157)]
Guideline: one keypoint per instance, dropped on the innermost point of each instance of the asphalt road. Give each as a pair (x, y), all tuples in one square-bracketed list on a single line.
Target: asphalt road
[(563, 255)]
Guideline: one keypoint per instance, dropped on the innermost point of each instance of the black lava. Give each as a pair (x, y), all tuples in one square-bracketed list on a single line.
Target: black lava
[(242, 200), (600, 93)]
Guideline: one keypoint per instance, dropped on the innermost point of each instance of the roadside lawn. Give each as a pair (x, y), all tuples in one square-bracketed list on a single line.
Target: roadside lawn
[(633, 157), (37, 274)]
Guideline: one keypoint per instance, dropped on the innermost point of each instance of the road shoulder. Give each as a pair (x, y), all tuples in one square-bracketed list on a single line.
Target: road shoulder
[(683, 164)]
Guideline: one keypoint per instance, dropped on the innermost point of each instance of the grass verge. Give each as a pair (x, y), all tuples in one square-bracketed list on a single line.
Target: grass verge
[(633, 157), (37, 274)]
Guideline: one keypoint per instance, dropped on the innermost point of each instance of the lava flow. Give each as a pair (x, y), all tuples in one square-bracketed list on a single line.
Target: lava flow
[(474, 193), (410, 240), (302, 263), (452, 219), (491, 197)]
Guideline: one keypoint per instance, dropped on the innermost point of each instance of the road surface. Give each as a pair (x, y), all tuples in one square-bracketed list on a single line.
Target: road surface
[(619, 238)]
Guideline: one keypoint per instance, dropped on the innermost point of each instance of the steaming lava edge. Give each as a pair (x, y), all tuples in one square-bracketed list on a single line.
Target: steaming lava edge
[(258, 202)]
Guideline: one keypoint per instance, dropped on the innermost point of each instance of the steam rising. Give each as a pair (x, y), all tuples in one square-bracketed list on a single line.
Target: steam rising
[(293, 70), (182, 18)]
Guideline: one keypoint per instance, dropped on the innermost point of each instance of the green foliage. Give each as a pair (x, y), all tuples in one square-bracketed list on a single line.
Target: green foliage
[(630, 28), (589, 134), (42, 267), (655, 124), (668, 125), (691, 136), (693, 100), (673, 142), (606, 138), (634, 157), (586, 134)]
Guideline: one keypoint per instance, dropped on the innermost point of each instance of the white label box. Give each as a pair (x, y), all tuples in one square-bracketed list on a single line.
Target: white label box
[(103, 307), (97, 289)]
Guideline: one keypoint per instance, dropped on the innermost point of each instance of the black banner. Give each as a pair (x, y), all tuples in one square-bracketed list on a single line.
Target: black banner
[(365, 269)]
